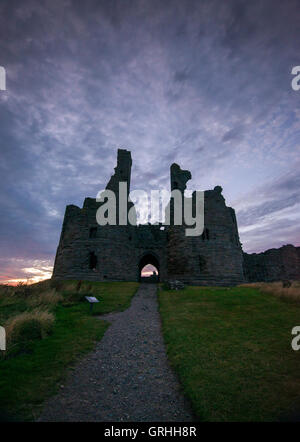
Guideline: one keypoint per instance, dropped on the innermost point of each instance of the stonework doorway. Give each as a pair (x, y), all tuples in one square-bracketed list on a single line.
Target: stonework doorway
[(148, 269)]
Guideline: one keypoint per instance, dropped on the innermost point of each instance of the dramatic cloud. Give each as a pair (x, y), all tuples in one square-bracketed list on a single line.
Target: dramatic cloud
[(204, 84), (270, 215)]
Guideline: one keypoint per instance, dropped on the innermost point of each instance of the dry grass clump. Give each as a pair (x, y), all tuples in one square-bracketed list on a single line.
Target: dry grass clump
[(70, 286), (76, 286), (73, 291), (47, 292), (291, 293), (49, 297), (28, 326), (34, 295)]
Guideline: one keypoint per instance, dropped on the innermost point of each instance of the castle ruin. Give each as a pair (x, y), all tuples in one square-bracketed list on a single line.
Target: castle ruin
[(92, 252)]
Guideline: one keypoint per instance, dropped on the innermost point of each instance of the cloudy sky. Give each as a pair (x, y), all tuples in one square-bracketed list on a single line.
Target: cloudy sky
[(204, 83)]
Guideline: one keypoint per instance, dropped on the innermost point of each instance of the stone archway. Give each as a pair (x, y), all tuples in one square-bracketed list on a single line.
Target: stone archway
[(148, 258)]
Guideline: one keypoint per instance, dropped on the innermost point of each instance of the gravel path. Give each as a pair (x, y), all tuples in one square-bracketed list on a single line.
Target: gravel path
[(127, 378)]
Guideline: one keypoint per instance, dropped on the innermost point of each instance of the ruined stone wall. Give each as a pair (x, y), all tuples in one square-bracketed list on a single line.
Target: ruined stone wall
[(215, 257), (92, 252), (273, 264), (118, 249)]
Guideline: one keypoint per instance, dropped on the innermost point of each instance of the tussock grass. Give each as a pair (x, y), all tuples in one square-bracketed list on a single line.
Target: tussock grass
[(72, 292), (26, 327), (70, 286), (276, 288), (49, 298)]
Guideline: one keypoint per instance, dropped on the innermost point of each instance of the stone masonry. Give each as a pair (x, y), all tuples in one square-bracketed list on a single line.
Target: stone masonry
[(118, 253), (273, 264), (89, 251)]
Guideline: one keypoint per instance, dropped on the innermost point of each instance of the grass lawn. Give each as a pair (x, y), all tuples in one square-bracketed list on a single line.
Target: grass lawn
[(231, 348), (29, 377)]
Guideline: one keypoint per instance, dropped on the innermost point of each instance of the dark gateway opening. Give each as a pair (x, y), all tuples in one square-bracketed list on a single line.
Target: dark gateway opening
[(145, 275)]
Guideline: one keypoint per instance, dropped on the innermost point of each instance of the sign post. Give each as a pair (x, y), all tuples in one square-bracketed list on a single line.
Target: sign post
[(92, 300)]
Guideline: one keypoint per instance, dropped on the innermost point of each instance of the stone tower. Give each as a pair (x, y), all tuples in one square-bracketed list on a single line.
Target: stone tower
[(122, 171)]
